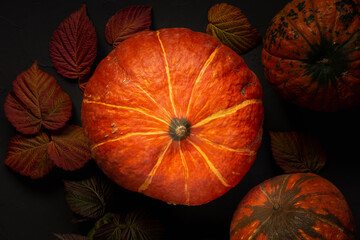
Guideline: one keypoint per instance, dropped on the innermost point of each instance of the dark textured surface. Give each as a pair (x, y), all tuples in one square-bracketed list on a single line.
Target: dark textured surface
[(34, 209)]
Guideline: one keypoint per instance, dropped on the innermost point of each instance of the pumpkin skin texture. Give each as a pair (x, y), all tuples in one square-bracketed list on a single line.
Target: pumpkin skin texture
[(175, 115), (311, 54), (293, 206)]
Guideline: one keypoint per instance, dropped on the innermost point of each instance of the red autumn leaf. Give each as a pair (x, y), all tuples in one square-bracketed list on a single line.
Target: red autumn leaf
[(37, 100), (69, 148), (73, 45), (28, 155), (127, 22), (297, 152)]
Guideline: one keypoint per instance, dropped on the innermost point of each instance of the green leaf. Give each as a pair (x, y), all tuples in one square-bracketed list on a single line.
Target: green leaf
[(297, 152), (71, 236), (231, 27), (137, 225), (88, 198)]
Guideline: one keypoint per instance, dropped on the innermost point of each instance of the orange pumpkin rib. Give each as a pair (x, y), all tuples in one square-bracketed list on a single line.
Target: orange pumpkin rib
[(224, 112), (213, 169), (309, 31), (150, 176), (186, 169), (147, 73), (325, 17), (245, 151), (283, 41), (127, 108), (127, 136), (342, 29), (171, 95), (258, 227), (201, 72), (239, 130), (154, 101), (184, 65)]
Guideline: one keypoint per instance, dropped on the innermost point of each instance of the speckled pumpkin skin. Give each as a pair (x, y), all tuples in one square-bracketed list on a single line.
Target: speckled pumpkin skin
[(174, 114), (293, 206), (311, 54)]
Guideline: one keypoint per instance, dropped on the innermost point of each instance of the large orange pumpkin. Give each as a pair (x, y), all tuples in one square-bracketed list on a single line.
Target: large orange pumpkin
[(174, 114), (311, 53), (293, 206)]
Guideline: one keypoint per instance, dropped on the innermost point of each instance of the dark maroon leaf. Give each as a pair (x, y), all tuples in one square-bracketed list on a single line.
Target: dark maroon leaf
[(297, 152), (73, 45), (127, 22)]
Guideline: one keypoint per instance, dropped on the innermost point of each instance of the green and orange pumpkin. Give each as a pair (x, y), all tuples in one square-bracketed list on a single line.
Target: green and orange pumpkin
[(311, 53), (174, 114), (293, 206)]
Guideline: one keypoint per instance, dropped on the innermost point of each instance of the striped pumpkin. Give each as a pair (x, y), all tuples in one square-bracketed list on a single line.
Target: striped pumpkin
[(293, 206), (311, 54), (174, 114)]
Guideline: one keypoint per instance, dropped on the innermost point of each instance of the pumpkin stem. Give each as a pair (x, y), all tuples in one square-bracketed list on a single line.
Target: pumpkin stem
[(323, 61), (179, 129), (276, 206)]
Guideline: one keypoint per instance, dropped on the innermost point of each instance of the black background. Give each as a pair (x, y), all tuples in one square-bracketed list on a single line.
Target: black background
[(34, 209)]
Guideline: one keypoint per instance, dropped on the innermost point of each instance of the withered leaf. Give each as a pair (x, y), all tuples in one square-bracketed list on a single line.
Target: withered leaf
[(297, 152), (69, 148), (127, 22), (28, 156), (37, 99), (88, 198), (137, 224), (230, 26), (71, 236), (73, 45)]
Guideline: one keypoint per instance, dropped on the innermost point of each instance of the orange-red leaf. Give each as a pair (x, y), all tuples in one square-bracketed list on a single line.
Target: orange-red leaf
[(228, 24), (37, 100), (28, 155), (69, 148), (297, 152), (73, 45), (127, 22)]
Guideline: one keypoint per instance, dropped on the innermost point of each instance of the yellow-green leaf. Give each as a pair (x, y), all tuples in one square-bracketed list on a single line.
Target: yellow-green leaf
[(297, 152), (228, 24), (89, 197), (27, 155)]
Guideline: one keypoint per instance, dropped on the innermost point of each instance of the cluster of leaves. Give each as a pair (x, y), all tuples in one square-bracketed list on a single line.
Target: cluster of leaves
[(91, 199), (73, 46), (39, 109), (297, 152)]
